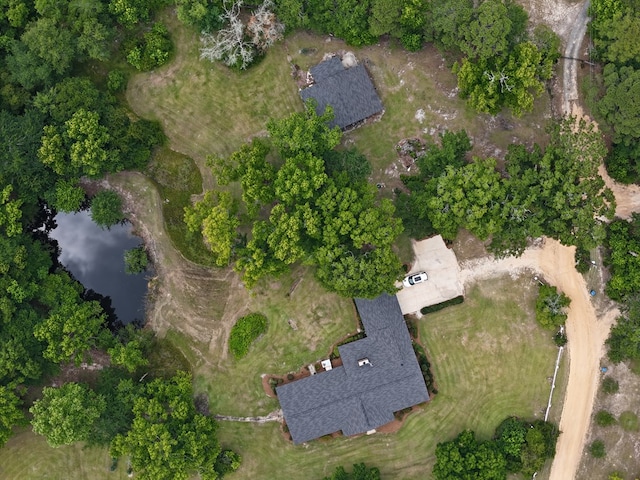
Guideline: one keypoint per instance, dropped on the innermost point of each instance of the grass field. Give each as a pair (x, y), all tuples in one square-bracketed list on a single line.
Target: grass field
[(28, 456), (207, 109), (301, 329), (490, 360), (481, 351)]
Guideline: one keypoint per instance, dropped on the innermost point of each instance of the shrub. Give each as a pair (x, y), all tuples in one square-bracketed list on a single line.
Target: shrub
[(116, 81), (439, 306), (610, 385), (245, 332), (560, 339), (152, 51), (412, 325), (629, 421), (226, 462), (425, 367), (605, 419), (551, 306), (597, 450), (136, 260)]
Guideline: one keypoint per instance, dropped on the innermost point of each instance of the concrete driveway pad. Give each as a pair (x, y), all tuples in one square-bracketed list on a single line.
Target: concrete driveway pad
[(441, 264)]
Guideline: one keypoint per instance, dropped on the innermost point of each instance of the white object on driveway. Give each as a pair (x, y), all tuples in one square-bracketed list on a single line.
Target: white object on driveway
[(415, 278)]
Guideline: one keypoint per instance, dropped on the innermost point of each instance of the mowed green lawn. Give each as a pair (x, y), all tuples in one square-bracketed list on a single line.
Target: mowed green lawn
[(28, 456), (489, 357), (490, 360), (208, 109)]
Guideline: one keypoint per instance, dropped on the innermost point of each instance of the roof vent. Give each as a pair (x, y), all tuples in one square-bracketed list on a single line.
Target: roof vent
[(364, 361)]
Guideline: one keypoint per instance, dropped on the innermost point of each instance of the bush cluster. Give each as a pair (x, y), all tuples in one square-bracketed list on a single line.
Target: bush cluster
[(246, 330), (518, 446), (605, 419), (610, 385), (425, 368)]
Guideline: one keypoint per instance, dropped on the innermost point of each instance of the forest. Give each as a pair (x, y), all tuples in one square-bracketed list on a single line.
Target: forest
[(303, 199)]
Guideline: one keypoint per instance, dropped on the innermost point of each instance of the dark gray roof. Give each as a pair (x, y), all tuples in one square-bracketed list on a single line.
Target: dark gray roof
[(348, 90), (355, 398), (326, 69)]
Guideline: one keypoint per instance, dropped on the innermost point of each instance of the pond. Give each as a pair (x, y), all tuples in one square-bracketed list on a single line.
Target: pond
[(95, 257)]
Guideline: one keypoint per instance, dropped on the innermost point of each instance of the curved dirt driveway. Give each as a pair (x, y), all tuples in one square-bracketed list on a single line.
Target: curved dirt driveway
[(586, 333)]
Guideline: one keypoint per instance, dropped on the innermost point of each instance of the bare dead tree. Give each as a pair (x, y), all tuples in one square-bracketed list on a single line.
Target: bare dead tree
[(230, 43), (503, 83), (490, 75), (264, 27)]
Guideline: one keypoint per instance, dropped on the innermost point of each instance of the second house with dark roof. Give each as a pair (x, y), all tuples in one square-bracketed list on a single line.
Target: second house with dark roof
[(348, 90)]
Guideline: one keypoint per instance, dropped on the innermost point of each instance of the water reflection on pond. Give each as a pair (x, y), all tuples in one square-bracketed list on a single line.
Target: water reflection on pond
[(96, 258)]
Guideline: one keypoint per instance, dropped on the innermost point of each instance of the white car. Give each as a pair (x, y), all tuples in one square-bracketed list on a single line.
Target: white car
[(415, 278)]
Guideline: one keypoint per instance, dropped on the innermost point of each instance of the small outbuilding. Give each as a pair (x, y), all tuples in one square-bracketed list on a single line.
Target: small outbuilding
[(347, 87)]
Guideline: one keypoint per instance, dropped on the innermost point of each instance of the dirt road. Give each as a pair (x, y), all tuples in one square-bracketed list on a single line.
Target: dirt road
[(585, 331), (572, 50)]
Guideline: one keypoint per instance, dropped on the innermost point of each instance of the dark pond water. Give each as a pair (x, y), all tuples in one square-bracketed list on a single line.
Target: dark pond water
[(96, 259)]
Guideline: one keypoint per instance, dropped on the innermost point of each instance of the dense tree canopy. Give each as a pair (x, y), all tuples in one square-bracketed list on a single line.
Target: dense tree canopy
[(54, 127), (555, 192), (466, 457), (624, 339), (623, 243), (620, 105), (518, 446), (66, 414), (168, 439), (311, 210)]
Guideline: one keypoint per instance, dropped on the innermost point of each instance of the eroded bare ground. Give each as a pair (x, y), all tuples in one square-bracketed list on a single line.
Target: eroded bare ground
[(201, 303)]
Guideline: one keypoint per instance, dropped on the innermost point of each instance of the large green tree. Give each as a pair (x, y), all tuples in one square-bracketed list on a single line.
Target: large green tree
[(620, 104), (551, 307), (304, 132), (310, 212), (468, 197), (168, 439), (66, 414), (106, 208), (10, 412), (510, 81), (487, 35), (215, 217), (465, 457)]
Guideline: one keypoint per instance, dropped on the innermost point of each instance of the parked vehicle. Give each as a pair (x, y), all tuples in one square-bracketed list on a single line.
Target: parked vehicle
[(415, 278)]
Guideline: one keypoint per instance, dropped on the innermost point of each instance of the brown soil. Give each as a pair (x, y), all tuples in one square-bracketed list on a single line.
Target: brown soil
[(86, 372)]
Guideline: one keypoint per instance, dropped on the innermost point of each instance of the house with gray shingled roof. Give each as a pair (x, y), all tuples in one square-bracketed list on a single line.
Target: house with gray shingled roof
[(379, 376), (349, 90)]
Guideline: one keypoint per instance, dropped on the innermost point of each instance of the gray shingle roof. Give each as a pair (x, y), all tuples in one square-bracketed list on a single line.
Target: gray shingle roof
[(348, 90), (355, 398)]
